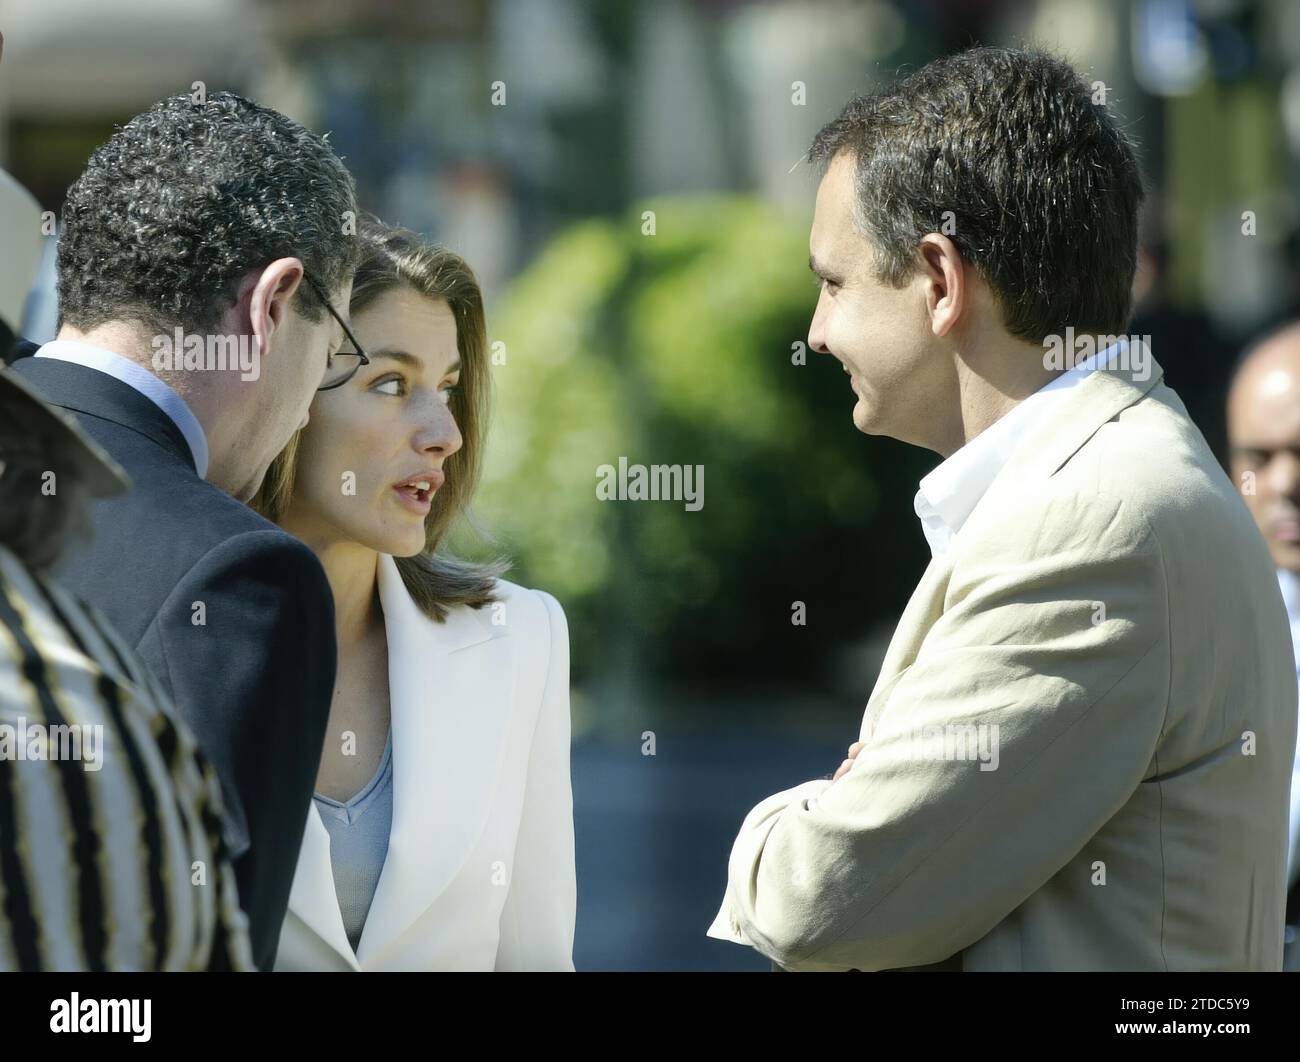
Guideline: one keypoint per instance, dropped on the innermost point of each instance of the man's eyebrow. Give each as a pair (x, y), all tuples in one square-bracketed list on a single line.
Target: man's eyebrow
[(821, 271)]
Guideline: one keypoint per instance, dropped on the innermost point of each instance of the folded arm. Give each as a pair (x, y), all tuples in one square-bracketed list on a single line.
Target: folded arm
[(1044, 686)]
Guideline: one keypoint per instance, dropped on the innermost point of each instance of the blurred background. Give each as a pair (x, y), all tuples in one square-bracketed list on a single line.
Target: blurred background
[(625, 177)]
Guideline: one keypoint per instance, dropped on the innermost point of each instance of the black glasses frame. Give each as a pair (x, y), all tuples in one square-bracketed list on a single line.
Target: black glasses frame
[(362, 360)]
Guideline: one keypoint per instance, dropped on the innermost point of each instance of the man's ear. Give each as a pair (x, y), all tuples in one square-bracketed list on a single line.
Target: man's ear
[(947, 293), (271, 297)]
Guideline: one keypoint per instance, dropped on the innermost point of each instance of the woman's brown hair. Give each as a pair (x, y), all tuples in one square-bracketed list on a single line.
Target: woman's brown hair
[(391, 258)]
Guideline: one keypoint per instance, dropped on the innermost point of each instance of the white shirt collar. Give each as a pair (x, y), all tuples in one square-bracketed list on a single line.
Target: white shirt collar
[(139, 379), (949, 494), (1289, 582)]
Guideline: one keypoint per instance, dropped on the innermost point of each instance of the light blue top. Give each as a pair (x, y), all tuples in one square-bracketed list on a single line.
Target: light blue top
[(359, 830)]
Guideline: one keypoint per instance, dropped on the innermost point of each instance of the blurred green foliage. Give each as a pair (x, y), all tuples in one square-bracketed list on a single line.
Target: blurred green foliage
[(678, 348)]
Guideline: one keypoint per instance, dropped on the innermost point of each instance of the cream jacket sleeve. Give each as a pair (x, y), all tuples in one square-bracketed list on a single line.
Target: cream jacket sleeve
[(1052, 654)]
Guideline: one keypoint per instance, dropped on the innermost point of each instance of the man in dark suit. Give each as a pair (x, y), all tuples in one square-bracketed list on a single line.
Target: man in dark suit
[(201, 257)]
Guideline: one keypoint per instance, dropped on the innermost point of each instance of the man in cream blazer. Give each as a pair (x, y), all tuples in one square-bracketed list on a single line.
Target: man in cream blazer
[(480, 867), (1077, 753)]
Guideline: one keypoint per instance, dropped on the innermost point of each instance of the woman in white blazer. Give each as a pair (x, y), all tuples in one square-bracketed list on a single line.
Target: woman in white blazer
[(441, 834)]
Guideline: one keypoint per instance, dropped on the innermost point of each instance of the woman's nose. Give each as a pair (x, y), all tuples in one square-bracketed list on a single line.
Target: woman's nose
[(440, 434)]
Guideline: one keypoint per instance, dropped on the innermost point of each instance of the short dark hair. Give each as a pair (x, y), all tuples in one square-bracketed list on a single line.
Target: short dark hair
[(189, 196), (1042, 184)]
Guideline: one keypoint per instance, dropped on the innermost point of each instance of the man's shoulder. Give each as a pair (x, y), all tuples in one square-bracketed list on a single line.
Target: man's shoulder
[(1146, 475), (173, 529), (1154, 460), (1145, 482), (193, 515)]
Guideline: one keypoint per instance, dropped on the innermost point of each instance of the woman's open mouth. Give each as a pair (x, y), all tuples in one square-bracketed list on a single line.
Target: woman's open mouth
[(416, 492)]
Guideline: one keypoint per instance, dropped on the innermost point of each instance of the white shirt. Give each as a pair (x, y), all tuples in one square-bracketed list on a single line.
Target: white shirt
[(1290, 584), (140, 379), (949, 494)]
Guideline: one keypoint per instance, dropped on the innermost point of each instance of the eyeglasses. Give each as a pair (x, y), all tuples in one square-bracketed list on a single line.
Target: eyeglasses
[(342, 366)]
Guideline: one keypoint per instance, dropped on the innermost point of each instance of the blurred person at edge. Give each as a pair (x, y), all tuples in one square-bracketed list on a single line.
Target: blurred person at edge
[(1264, 452), (20, 224), (1098, 643), (65, 833), (225, 224), (441, 836), (111, 850)]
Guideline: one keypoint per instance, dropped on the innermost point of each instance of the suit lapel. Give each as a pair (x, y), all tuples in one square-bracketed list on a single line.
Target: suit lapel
[(89, 392), (451, 693)]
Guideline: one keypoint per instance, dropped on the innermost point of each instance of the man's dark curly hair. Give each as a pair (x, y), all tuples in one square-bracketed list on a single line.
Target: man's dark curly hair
[(1042, 184), (185, 199)]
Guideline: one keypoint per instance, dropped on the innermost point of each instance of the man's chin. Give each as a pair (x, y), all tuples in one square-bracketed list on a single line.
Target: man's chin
[(864, 421), (249, 490)]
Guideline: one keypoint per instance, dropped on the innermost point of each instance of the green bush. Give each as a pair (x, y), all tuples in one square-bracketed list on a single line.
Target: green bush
[(677, 348)]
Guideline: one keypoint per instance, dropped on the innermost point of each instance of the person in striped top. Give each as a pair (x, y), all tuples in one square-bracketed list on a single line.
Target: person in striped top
[(112, 855)]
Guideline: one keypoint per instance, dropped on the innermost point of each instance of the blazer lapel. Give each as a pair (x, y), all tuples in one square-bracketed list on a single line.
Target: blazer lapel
[(450, 688), (313, 898)]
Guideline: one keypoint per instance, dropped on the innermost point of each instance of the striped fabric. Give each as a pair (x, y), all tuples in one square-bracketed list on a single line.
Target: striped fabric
[(114, 860)]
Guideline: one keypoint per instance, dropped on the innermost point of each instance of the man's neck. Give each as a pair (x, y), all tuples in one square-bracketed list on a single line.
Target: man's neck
[(121, 338), (991, 386), (134, 343)]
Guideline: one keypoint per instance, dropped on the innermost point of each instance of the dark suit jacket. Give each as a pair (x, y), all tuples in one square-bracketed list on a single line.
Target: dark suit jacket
[(233, 615)]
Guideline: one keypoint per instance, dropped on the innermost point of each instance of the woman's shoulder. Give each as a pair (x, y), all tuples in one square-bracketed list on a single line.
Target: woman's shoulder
[(506, 590), (514, 602), (533, 619)]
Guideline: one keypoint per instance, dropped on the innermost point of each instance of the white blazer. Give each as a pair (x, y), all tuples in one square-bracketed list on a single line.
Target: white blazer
[(480, 868)]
